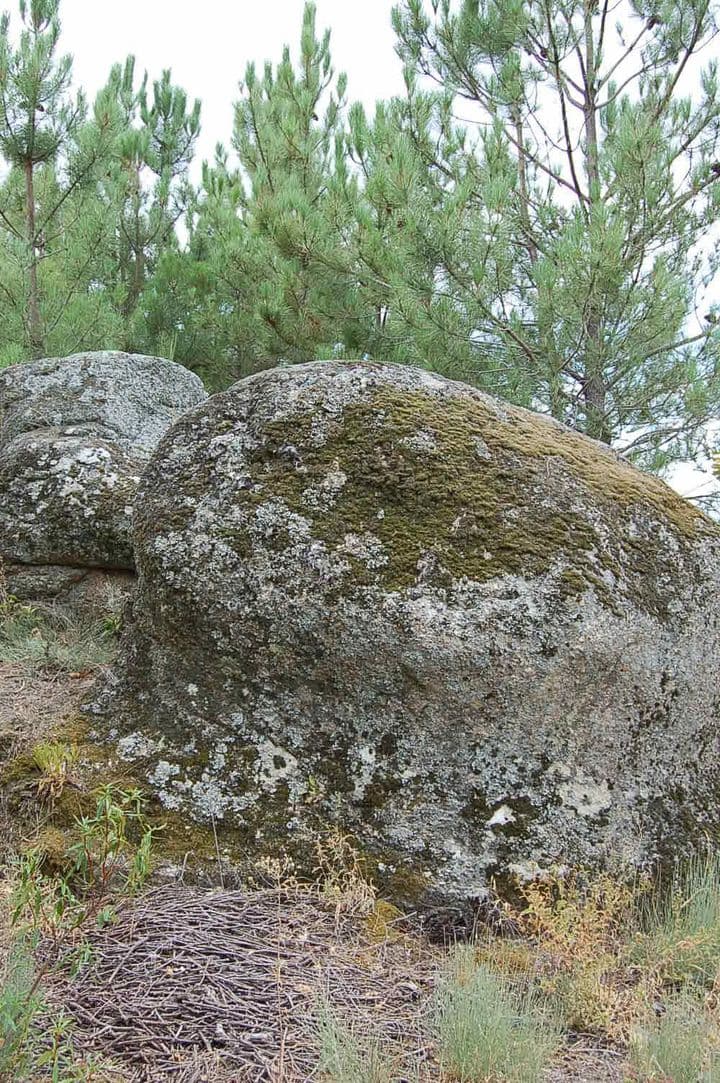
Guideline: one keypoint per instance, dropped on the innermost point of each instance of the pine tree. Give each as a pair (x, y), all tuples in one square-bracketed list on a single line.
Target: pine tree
[(51, 166), (610, 186), (273, 236), (422, 203), (145, 189)]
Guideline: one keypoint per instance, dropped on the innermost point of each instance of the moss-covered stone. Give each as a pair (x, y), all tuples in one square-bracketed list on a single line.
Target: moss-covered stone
[(377, 601)]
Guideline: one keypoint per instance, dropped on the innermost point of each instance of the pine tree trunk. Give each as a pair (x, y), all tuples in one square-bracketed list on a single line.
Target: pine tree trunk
[(594, 387), (136, 278), (595, 396), (34, 319)]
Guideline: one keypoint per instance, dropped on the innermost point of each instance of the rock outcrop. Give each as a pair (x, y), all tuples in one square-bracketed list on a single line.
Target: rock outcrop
[(370, 597), (75, 435)]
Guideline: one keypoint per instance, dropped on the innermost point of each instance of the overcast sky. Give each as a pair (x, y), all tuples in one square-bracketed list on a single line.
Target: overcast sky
[(208, 44)]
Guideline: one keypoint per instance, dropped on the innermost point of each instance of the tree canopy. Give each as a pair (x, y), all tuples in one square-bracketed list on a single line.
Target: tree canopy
[(534, 215)]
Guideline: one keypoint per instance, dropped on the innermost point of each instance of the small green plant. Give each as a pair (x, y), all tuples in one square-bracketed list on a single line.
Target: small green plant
[(489, 1027), (680, 938), (110, 860), (54, 760), (115, 845), (111, 857), (680, 1046), (55, 1058), (347, 1058)]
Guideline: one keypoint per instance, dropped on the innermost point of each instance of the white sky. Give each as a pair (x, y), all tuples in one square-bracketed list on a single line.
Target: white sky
[(207, 45)]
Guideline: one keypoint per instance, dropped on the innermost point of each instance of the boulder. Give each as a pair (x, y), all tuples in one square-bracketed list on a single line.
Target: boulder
[(373, 599), (75, 435)]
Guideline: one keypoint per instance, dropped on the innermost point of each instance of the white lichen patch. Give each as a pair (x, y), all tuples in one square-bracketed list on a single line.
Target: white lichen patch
[(136, 746), (163, 772), (273, 516), (365, 547), (583, 794), (274, 765), (210, 798), (365, 765), (323, 496), (501, 816)]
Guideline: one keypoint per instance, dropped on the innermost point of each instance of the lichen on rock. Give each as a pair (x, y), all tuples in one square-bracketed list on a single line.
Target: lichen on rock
[(75, 435), (374, 598)]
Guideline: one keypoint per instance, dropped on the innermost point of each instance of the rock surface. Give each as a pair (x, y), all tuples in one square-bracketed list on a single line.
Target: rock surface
[(373, 598), (75, 435)]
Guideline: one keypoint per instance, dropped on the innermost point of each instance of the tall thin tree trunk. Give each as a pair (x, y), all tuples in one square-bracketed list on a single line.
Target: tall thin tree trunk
[(594, 387), (136, 277), (34, 318)]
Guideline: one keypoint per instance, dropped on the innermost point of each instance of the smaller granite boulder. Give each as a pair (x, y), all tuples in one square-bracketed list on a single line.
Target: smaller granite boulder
[(75, 435)]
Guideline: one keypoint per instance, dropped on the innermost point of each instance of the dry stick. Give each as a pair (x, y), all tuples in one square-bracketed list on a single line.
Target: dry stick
[(254, 963)]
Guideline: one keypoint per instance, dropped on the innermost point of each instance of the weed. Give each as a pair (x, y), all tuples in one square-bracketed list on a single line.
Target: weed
[(491, 1028), (110, 859), (347, 1058), (112, 853), (54, 760), (579, 928), (342, 878), (678, 1046)]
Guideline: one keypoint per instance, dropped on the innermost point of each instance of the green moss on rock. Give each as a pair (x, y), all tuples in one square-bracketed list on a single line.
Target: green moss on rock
[(471, 501)]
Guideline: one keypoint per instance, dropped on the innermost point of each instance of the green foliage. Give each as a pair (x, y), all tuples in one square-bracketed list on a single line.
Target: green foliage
[(680, 939), (90, 202), (19, 1004), (570, 230), (489, 1027), (269, 275), (52, 164), (110, 858), (144, 191), (548, 248), (680, 1045)]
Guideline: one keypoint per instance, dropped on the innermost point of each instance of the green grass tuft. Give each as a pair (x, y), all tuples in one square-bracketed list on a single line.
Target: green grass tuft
[(347, 1058), (489, 1027), (681, 926), (50, 638), (678, 1046)]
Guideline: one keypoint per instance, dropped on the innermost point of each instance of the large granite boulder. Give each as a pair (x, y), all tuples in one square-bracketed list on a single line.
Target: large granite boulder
[(370, 597), (75, 435)]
